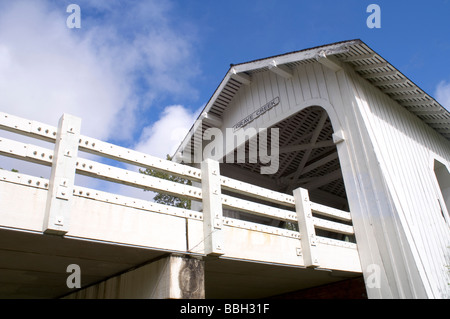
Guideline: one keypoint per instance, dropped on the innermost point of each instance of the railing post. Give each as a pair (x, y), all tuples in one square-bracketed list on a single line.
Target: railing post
[(60, 191), (306, 228), (212, 208)]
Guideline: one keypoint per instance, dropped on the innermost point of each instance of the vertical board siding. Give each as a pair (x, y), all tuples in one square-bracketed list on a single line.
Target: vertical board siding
[(308, 82), (304, 85), (366, 205), (256, 98), (281, 87), (404, 147), (311, 75), (334, 88), (399, 156), (321, 83)]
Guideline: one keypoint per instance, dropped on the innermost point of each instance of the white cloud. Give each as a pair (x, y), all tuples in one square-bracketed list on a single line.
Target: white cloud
[(165, 135), (47, 70), (108, 72), (159, 139), (443, 94)]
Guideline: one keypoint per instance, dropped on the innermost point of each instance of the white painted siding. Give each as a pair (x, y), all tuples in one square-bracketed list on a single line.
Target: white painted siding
[(386, 162), (405, 147), (308, 83)]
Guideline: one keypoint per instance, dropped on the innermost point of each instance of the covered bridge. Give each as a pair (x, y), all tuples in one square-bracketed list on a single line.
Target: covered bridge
[(359, 136)]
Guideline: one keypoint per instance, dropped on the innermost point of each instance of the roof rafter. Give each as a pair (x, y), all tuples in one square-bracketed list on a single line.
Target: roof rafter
[(281, 70)]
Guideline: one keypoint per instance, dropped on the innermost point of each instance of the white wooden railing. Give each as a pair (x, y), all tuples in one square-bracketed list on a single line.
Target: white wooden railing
[(65, 163)]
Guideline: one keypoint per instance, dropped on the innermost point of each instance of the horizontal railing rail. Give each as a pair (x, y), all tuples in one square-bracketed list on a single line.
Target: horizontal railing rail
[(97, 147), (240, 196)]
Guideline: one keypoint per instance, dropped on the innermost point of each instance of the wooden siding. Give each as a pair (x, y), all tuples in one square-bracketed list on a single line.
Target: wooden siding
[(308, 83), (386, 162), (405, 146)]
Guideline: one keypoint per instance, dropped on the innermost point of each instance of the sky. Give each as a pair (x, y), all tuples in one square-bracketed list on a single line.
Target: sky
[(139, 72)]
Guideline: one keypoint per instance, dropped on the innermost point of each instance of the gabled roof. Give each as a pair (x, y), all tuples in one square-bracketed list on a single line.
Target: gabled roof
[(366, 62)]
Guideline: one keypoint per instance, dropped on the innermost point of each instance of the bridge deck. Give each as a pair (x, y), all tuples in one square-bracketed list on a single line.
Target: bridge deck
[(106, 234), (33, 265), (106, 239)]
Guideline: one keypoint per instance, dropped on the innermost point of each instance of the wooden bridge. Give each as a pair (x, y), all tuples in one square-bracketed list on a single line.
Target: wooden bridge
[(133, 248)]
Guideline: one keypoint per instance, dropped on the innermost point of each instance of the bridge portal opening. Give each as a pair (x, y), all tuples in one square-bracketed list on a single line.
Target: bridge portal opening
[(308, 158)]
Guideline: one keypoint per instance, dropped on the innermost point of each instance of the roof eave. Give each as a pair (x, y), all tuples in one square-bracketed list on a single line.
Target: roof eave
[(240, 74)]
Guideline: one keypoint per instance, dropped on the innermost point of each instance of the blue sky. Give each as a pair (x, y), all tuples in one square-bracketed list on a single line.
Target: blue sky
[(138, 72)]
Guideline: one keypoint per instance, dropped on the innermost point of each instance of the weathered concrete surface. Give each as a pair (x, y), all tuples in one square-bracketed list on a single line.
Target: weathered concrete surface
[(171, 277)]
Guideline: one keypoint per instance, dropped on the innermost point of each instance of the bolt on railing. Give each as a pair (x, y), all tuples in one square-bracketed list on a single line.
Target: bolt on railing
[(65, 163)]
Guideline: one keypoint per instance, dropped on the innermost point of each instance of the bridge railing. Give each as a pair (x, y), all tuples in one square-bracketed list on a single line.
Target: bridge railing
[(65, 162)]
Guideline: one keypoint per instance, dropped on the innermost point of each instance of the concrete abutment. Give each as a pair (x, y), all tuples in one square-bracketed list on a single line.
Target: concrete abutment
[(170, 277)]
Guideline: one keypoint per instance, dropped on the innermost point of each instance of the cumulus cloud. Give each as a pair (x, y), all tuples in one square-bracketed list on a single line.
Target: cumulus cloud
[(443, 94), (46, 70), (165, 135), (108, 72), (111, 72), (160, 139)]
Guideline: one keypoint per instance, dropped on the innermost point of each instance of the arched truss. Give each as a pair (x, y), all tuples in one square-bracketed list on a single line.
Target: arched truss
[(308, 157)]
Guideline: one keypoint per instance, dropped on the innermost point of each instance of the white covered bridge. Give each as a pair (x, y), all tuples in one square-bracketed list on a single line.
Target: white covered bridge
[(361, 188)]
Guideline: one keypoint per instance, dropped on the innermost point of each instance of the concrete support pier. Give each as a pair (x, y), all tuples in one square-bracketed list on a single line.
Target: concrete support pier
[(171, 277)]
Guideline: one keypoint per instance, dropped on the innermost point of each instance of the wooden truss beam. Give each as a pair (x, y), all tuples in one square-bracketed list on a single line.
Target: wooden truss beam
[(302, 147), (307, 154), (323, 180), (312, 166)]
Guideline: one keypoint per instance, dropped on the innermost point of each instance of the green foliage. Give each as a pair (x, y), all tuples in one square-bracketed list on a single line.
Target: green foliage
[(290, 226), (166, 199), (12, 170)]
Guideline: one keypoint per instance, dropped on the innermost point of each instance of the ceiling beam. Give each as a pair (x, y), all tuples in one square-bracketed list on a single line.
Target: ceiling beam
[(323, 180), (320, 162), (312, 166), (302, 147), (291, 138)]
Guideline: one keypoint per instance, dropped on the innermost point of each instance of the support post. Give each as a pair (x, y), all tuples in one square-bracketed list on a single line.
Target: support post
[(306, 228), (212, 208), (60, 192)]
